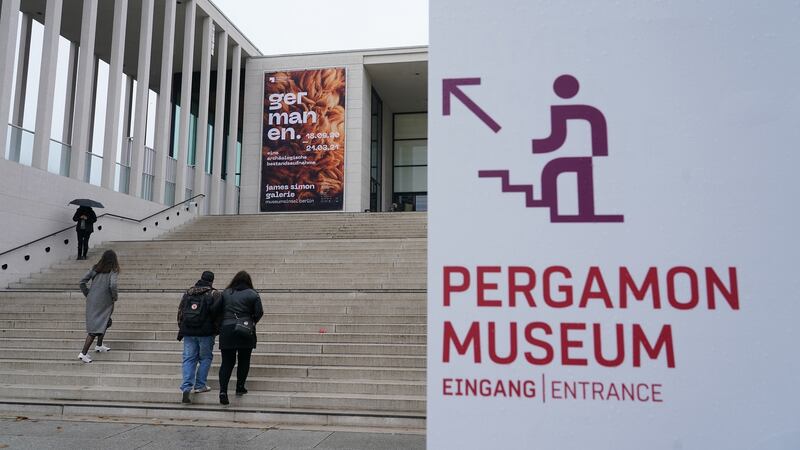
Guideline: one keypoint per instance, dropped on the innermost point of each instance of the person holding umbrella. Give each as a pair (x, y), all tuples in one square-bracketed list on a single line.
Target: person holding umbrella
[(85, 218)]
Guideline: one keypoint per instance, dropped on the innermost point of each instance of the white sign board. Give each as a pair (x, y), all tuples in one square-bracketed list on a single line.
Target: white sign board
[(613, 225)]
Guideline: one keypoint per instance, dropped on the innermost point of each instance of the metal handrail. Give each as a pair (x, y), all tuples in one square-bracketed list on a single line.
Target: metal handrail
[(20, 128), (33, 132), (100, 216)]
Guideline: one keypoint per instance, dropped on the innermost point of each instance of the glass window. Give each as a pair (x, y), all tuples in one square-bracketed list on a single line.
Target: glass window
[(411, 126), (411, 153), (411, 179)]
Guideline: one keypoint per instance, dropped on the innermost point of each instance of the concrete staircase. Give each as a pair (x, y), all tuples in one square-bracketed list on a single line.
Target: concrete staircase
[(342, 341)]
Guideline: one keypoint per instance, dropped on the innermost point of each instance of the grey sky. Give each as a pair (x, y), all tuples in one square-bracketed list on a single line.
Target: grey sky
[(322, 25)]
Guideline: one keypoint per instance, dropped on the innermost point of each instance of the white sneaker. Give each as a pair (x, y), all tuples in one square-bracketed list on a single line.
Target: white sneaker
[(84, 358), (101, 348)]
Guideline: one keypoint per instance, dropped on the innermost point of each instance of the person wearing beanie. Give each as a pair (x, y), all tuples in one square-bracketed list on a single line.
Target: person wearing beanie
[(197, 327)]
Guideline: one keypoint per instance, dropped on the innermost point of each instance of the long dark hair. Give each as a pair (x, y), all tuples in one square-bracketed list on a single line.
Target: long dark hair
[(108, 263), (241, 281)]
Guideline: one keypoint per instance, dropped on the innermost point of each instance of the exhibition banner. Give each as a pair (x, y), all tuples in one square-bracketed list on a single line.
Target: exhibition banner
[(613, 225), (303, 138)]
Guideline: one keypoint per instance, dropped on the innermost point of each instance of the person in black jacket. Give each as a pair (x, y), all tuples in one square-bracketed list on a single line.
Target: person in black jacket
[(198, 316), (241, 311), (85, 218)]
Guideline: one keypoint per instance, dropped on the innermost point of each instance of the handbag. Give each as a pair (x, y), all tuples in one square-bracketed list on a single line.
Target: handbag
[(244, 327)]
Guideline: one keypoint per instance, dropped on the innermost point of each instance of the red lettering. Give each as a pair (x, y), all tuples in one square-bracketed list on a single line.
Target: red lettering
[(564, 302), (525, 289), (514, 388), (555, 393), (664, 341), (446, 388), (598, 346), (567, 344), (548, 349), (731, 293), (627, 392), (449, 287), (473, 338), (529, 388), (570, 391), (486, 387), (612, 392), (597, 390), (483, 286), (512, 352), (595, 276), (499, 389), (650, 283), (656, 393), (695, 296), (639, 396), (471, 387)]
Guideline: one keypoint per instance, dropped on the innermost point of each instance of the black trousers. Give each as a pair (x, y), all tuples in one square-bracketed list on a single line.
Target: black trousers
[(226, 368), (83, 243)]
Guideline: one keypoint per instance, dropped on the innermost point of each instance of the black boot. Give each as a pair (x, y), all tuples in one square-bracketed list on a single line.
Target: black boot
[(240, 390), (223, 398)]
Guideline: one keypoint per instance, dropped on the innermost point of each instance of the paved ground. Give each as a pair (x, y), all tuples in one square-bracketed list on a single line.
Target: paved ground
[(29, 433)]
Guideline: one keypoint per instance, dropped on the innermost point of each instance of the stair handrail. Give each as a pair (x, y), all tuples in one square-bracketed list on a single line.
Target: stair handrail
[(115, 216)]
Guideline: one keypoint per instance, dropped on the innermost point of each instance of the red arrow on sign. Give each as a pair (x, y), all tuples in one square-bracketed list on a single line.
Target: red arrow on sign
[(451, 86)]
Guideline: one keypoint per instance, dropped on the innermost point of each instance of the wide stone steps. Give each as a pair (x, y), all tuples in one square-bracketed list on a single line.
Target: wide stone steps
[(317, 401), (173, 381), (38, 318), (102, 368), (305, 226), (124, 306), (322, 327), (310, 359), (344, 264), (316, 337), (149, 300), (270, 346), (342, 341)]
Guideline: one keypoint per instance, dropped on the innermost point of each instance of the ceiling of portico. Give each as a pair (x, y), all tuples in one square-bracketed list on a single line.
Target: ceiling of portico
[(71, 30)]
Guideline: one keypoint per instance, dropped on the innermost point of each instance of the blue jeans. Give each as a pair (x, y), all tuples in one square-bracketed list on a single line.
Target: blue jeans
[(196, 349)]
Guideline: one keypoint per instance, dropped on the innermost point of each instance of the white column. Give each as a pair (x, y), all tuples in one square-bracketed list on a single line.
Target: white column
[(9, 17), (202, 115), (23, 60), (84, 92), (230, 177), (219, 123), (69, 102), (47, 84), (182, 146), (142, 94), (163, 108), (111, 138)]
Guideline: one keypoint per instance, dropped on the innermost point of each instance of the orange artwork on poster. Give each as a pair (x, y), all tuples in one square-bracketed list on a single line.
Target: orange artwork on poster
[(303, 139)]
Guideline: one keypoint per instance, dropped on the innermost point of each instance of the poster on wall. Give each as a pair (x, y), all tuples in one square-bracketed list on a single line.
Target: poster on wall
[(613, 225), (303, 139)]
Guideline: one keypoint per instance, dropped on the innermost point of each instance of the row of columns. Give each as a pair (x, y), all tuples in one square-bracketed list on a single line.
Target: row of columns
[(80, 96)]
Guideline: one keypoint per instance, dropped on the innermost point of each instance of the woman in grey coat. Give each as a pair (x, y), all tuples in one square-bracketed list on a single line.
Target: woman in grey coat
[(100, 298)]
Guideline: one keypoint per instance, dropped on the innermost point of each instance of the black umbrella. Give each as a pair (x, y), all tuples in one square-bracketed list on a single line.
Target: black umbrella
[(86, 202)]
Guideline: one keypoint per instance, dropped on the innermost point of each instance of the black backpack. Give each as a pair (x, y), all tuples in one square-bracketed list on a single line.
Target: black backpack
[(195, 311)]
